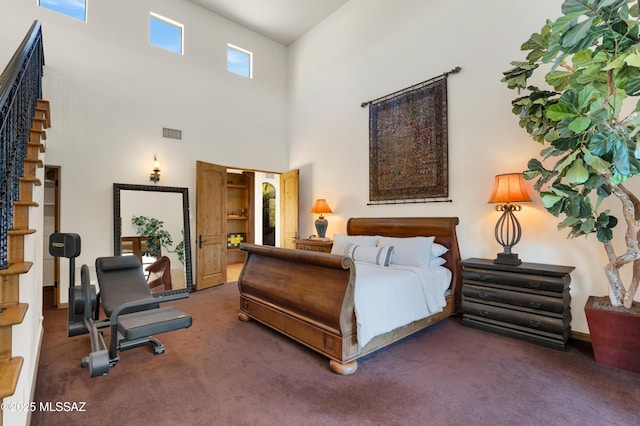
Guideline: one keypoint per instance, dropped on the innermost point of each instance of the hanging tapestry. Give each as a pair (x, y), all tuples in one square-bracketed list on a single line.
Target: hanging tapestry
[(408, 149)]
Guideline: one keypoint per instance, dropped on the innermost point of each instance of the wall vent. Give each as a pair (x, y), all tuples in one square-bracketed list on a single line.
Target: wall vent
[(172, 133)]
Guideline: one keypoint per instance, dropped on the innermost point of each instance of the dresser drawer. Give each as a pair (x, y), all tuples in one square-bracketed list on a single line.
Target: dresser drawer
[(513, 279), (551, 340), (531, 301), (523, 319)]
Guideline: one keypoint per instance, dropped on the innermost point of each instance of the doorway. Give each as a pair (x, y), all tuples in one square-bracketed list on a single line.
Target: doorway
[(229, 212), (51, 224)]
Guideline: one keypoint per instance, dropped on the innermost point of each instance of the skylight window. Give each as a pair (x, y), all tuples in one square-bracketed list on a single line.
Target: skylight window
[(74, 8), (239, 61), (166, 33)]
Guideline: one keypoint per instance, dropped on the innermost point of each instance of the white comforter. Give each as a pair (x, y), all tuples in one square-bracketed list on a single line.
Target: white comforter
[(390, 297)]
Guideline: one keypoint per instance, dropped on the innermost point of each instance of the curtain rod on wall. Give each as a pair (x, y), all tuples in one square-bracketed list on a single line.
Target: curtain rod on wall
[(378, 203), (415, 86)]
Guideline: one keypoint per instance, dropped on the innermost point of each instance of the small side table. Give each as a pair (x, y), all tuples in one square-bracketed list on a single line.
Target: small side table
[(314, 245)]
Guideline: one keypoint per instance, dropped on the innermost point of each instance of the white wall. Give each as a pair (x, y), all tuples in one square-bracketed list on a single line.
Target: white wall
[(369, 48), (112, 93)]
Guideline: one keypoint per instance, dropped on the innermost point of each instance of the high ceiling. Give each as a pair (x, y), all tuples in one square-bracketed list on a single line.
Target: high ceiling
[(281, 20)]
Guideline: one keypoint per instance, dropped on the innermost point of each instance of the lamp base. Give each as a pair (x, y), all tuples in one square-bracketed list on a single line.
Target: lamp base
[(321, 226), (507, 259)]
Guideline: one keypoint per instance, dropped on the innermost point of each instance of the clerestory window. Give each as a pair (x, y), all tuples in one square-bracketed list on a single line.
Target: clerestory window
[(239, 61), (166, 33), (74, 8)]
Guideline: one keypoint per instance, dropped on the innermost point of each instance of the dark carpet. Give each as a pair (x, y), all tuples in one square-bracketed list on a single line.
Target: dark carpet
[(222, 371)]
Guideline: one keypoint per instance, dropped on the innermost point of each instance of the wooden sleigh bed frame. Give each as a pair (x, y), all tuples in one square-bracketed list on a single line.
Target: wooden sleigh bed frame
[(309, 296)]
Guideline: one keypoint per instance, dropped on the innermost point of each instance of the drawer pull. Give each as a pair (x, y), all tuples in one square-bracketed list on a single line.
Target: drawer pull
[(484, 313), (534, 284), (534, 323), (535, 304), (483, 295)]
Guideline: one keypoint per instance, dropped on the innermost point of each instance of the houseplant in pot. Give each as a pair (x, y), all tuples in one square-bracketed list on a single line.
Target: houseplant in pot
[(588, 119)]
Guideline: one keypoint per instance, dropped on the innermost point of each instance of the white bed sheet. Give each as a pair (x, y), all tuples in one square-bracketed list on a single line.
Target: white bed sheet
[(389, 297)]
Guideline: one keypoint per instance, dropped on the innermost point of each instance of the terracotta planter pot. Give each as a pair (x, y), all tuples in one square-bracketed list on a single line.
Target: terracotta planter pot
[(615, 336)]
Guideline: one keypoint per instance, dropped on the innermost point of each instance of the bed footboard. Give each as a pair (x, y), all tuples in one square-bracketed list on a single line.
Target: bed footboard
[(305, 295)]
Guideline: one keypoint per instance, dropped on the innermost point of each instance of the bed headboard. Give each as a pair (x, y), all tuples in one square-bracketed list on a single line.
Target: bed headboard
[(442, 228)]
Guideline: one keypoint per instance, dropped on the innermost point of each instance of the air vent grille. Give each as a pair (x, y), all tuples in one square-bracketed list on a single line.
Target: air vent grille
[(172, 133)]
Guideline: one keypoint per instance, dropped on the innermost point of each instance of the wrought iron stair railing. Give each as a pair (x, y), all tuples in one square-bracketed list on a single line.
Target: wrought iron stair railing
[(20, 89)]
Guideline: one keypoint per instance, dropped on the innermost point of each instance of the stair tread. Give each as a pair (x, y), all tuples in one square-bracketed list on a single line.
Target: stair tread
[(33, 160), (9, 374), (13, 314), (16, 268), (21, 231), (41, 147), (25, 203), (34, 180)]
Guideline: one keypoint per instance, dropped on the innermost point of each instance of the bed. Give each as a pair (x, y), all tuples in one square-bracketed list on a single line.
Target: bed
[(310, 296)]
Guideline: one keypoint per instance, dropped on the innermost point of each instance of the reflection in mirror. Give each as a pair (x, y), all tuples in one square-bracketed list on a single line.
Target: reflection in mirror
[(152, 223), (268, 214)]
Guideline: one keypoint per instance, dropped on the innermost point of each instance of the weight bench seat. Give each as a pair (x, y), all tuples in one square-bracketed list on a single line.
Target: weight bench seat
[(143, 324)]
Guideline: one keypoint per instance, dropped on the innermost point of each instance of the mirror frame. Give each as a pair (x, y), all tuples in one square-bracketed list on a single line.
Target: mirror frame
[(117, 221)]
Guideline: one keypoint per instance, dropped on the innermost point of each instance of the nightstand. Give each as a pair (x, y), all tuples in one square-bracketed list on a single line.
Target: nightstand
[(530, 301), (314, 245)]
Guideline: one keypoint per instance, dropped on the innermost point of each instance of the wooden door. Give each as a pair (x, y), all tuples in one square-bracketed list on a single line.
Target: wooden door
[(211, 225), (289, 209)]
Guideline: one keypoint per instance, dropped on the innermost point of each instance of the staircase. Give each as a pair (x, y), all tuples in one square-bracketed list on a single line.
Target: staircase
[(23, 120), (13, 311)]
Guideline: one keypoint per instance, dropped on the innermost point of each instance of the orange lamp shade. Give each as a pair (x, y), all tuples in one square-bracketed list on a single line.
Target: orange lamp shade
[(321, 206), (509, 188)]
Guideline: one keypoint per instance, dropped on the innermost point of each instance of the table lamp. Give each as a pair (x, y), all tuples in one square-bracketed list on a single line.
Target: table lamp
[(321, 206), (508, 188)]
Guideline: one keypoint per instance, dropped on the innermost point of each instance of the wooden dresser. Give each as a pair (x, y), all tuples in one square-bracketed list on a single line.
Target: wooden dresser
[(314, 245), (530, 301)]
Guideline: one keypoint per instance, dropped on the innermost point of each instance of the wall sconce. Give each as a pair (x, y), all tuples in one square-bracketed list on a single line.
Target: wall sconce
[(508, 188), (321, 206), (155, 175)]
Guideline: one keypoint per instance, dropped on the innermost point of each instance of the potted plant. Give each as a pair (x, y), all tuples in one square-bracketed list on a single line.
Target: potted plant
[(157, 237), (588, 119)]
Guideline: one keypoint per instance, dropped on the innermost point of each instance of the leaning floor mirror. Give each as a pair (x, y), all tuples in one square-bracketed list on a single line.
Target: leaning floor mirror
[(152, 223)]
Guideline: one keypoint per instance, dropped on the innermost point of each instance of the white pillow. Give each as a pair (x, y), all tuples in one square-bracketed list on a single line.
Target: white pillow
[(340, 241), (411, 251), (438, 250), (376, 255), (437, 261)]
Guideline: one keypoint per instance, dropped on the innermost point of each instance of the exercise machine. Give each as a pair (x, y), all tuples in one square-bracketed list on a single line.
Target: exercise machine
[(133, 312)]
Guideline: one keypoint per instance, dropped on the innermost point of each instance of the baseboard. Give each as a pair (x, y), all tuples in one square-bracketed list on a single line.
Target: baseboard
[(35, 373), (583, 337)]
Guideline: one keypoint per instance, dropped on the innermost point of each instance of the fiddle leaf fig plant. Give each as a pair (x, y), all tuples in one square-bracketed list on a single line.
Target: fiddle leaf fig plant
[(152, 228), (588, 119)]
